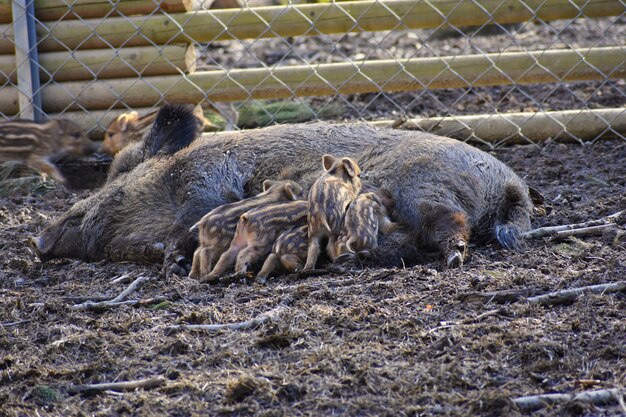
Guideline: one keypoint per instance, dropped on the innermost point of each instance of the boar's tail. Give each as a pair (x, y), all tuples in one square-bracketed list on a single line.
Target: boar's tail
[(174, 128), (513, 216)]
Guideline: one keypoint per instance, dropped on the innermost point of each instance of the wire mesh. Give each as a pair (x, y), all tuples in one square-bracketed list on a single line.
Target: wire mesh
[(494, 71)]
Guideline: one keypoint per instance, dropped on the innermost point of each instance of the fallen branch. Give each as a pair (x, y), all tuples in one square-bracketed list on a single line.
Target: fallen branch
[(570, 294), (242, 325), (15, 323), (469, 320), (120, 386), (535, 402), (89, 305), (121, 278), (549, 231), (132, 287), (108, 304), (584, 231), (501, 297)]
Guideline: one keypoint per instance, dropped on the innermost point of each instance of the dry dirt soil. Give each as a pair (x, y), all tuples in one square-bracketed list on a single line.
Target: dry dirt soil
[(418, 340)]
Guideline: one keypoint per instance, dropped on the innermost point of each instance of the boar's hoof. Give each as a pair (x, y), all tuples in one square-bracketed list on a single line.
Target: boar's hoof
[(176, 270), (37, 244), (344, 258), (454, 259), (261, 279)]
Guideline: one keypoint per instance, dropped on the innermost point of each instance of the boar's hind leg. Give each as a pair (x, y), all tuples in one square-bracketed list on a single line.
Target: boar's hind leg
[(513, 216), (134, 250), (446, 229)]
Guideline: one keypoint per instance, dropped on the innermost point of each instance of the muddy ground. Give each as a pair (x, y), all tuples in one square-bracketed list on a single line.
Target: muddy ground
[(411, 341), (405, 341)]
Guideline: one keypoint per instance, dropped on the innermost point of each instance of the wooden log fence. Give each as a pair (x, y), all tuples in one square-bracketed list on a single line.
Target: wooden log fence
[(55, 10), (108, 63), (303, 20), (534, 127), (142, 73), (343, 78)]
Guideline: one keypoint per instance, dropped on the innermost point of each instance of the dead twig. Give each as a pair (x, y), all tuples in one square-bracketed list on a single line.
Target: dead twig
[(121, 278), (242, 325), (15, 323), (570, 294), (535, 296), (535, 402), (148, 383), (88, 305), (469, 320), (108, 304), (501, 297), (584, 228)]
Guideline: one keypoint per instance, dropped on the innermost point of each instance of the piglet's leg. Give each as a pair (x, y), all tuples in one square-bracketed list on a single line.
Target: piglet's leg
[(227, 259), (203, 259), (270, 264), (291, 262), (313, 252)]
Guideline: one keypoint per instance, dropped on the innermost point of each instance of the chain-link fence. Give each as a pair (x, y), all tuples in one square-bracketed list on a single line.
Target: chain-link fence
[(494, 70)]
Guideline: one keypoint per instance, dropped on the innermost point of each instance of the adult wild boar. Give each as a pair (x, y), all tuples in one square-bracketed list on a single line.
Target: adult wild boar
[(443, 190)]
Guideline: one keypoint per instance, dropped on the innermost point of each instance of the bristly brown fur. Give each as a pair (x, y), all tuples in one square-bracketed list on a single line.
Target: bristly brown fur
[(155, 201)]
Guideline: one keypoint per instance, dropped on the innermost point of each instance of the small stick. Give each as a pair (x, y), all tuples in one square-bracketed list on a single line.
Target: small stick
[(120, 386), (553, 230), (132, 287), (119, 279), (569, 294), (242, 325), (108, 304), (535, 402), (585, 231), (122, 296), (499, 296), (15, 323), (469, 320)]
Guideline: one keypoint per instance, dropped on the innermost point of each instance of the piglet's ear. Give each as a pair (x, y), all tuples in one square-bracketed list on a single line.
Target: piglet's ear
[(328, 161), (374, 197), (267, 184), (293, 191), (351, 167), (122, 122)]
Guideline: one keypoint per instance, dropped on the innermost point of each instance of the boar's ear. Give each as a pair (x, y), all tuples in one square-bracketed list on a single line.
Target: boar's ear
[(328, 161), (351, 167), (267, 184)]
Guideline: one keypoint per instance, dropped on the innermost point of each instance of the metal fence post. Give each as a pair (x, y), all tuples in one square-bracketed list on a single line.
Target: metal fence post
[(27, 59)]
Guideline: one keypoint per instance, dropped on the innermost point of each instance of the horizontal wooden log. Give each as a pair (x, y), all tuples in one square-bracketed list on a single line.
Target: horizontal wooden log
[(53, 10), (531, 127), (303, 20), (107, 63), (329, 79)]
